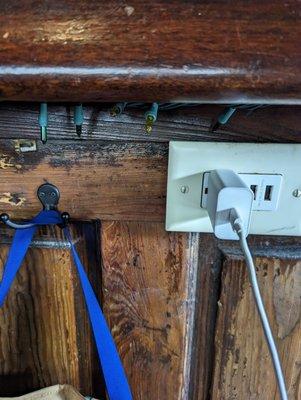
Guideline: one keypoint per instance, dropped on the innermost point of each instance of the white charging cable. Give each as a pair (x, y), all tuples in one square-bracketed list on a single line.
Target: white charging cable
[(229, 206), (238, 227)]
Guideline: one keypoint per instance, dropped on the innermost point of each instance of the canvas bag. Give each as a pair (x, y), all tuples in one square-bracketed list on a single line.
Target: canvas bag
[(57, 392), (114, 376)]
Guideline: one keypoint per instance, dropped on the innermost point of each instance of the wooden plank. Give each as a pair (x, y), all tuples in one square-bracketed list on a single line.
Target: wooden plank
[(172, 50), (45, 337), (269, 124), (149, 295), (96, 180), (243, 368), (207, 295)]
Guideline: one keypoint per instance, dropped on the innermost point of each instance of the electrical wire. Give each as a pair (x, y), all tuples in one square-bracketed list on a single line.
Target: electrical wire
[(238, 227), (162, 106), (217, 122)]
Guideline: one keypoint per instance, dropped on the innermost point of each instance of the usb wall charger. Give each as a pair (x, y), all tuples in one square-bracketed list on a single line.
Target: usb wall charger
[(227, 191)]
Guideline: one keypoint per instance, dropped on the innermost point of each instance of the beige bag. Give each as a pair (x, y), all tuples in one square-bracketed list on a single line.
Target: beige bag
[(57, 392)]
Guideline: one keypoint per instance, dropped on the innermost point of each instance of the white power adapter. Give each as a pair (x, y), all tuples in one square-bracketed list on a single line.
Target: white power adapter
[(228, 197)]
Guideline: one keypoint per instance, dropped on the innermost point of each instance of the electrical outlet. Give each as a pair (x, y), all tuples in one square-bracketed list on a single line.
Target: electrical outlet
[(265, 187), (271, 171)]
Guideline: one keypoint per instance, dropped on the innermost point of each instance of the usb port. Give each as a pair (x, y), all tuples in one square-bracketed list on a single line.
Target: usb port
[(254, 190), (268, 193)]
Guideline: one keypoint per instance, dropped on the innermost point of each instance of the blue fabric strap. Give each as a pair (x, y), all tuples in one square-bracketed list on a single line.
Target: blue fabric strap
[(116, 382)]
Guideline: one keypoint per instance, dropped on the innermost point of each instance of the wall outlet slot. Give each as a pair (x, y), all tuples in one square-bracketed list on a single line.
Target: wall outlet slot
[(265, 187)]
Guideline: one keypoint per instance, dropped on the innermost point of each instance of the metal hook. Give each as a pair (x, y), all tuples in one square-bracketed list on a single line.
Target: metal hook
[(5, 219), (49, 196)]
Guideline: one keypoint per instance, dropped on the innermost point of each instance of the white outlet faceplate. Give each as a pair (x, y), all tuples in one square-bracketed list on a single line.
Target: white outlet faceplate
[(277, 165)]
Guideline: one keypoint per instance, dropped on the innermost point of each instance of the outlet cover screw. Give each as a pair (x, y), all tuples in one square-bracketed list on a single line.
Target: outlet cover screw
[(297, 193), (184, 189)]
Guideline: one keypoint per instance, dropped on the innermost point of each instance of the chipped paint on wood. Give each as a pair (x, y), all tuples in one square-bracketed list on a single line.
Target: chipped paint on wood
[(12, 199), (8, 162), (96, 180)]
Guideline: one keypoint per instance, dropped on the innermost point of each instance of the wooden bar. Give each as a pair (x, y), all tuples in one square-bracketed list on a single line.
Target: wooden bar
[(214, 51)]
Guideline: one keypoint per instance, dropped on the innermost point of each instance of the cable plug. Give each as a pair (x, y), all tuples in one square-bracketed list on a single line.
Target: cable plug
[(43, 122), (151, 117), (229, 204), (78, 118), (117, 109), (223, 118), (236, 221)]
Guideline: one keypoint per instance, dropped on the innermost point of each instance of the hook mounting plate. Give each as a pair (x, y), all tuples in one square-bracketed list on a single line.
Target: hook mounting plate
[(49, 196)]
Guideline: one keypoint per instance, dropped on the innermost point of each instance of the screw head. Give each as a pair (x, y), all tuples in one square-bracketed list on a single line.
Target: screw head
[(184, 189), (4, 217), (297, 193)]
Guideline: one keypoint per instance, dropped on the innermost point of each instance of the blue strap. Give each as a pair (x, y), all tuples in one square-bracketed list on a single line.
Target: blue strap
[(116, 382)]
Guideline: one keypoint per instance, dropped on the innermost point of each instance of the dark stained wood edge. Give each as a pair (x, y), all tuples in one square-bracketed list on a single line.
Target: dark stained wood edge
[(192, 283), (173, 50), (206, 307), (90, 247), (284, 247), (163, 86)]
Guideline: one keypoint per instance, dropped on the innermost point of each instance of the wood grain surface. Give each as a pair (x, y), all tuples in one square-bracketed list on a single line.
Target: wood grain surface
[(112, 179), (207, 294), (179, 305), (268, 124), (45, 336), (96, 180), (171, 50), (243, 367), (149, 299)]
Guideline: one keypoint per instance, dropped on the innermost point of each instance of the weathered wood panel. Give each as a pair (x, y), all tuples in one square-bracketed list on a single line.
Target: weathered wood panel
[(206, 298), (45, 336), (103, 51), (268, 124), (114, 180), (149, 294), (96, 180), (243, 368)]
